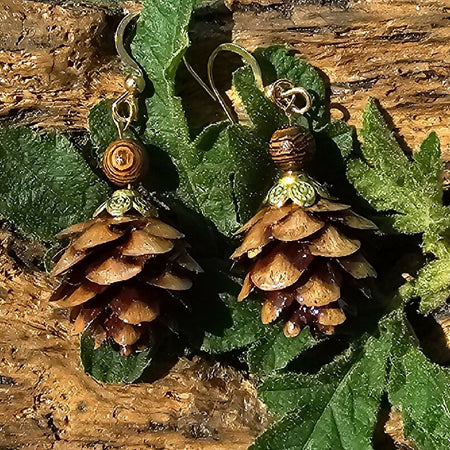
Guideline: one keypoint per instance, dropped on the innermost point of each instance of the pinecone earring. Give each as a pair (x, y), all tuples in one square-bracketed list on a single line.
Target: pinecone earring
[(120, 267), (301, 246)]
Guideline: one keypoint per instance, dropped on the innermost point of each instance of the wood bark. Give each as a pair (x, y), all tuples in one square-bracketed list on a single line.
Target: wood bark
[(395, 51), (57, 61), (47, 401)]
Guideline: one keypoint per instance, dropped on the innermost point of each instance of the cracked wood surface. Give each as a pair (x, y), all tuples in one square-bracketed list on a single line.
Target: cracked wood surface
[(47, 401), (56, 62)]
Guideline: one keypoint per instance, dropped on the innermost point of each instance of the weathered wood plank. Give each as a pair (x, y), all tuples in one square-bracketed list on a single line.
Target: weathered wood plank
[(396, 51), (46, 398)]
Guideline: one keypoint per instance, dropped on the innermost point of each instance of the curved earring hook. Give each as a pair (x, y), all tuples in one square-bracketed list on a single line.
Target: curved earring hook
[(127, 60), (125, 108), (248, 59), (282, 92)]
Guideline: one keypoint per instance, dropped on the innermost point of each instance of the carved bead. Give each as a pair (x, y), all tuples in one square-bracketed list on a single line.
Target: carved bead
[(124, 162), (291, 148)]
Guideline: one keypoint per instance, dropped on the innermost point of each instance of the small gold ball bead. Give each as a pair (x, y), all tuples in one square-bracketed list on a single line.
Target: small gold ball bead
[(124, 162), (291, 148)]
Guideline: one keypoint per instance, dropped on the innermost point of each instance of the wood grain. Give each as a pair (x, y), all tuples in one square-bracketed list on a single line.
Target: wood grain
[(47, 401), (394, 50), (56, 62)]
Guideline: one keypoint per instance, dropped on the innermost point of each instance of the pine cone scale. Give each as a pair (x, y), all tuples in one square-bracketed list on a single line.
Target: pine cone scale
[(134, 307), (142, 243), (84, 318), (97, 234), (160, 229), (168, 280), (186, 261), (331, 243), (274, 304), (357, 222), (331, 316), (327, 206), (81, 294), (70, 258), (298, 225), (246, 289), (253, 221), (281, 267), (319, 290), (114, 269), (260, 234), (75, 229), (115, 274), (357, 266), (123, 333)]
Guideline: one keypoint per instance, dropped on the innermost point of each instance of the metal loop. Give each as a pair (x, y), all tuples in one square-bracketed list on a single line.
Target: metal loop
[(123, 121), (125, 108), (284, 94)]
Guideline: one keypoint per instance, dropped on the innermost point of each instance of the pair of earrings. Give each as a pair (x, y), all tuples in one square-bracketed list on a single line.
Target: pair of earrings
[(120, 267)]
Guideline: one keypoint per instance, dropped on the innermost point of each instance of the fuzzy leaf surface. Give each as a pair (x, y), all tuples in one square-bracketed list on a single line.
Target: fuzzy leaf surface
[(408, 188), (420, 389), (432, 285), (274, 351), (335, 408), (45, 184), (106, 364)]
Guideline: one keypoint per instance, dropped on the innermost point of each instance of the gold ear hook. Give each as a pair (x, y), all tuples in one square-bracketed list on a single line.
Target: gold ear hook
[(248, 59), (282, 92), (130, 64), (125, 108)]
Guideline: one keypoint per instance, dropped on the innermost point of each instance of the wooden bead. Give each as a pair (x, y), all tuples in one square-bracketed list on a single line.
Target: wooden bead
[(124, 162), (291, 148)]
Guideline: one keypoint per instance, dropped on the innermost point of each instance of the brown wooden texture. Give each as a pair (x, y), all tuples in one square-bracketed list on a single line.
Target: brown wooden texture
[(56, 61), (48, 402), (395, 50)]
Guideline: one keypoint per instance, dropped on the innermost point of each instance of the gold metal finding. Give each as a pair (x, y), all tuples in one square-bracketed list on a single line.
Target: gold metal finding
[(125, 108), (282, 92), (247, 57)]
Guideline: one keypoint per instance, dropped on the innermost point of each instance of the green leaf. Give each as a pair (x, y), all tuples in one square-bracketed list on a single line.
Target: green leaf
[(409, 188), (106, 364), (420, 389), (432, 284), (265, 116), (231, 177), (335, 408), (274, 351), (342, 135), (45, 184), (102, 129), (241, 327)]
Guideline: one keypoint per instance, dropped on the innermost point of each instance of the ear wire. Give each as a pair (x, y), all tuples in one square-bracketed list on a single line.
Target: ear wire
[(282, 92)]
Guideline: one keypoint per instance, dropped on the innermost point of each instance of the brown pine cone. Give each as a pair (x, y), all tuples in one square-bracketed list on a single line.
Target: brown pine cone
[(117, 273), (298, 259)]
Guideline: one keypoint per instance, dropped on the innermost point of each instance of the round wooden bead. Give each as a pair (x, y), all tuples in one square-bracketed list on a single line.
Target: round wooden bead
[(291, 148), (124, 162)]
